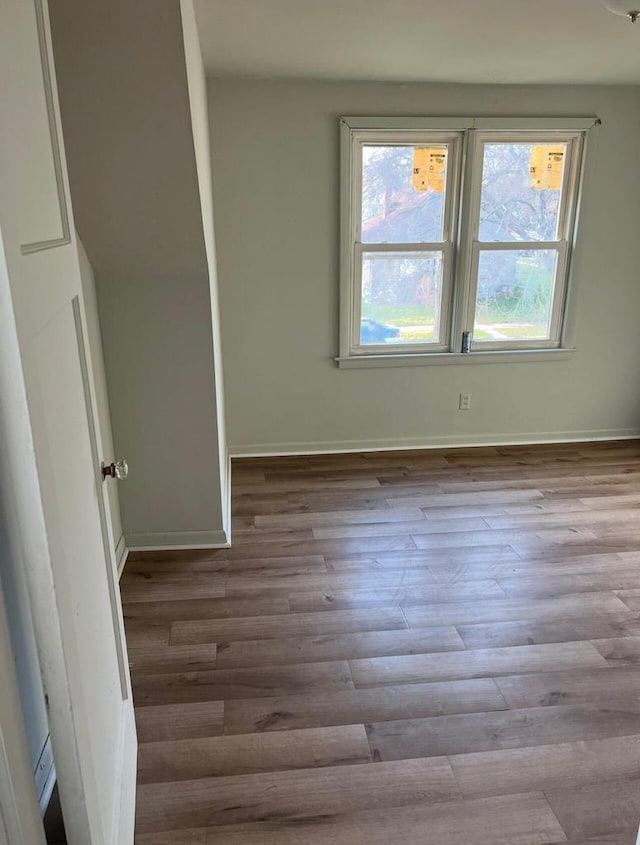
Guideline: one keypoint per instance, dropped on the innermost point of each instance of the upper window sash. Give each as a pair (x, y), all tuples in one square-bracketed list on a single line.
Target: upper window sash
[(453, 142), (566, 214)]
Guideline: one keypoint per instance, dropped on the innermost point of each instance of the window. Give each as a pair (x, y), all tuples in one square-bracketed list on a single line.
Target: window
[(456, 239)]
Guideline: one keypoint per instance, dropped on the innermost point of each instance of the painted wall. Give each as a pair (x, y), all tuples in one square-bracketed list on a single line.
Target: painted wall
[(157, 347), (127, 131), (276, 179), (199, 109), (135, 165)]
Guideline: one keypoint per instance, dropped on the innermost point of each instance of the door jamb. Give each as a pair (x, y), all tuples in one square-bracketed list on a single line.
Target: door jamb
[(20, 819)]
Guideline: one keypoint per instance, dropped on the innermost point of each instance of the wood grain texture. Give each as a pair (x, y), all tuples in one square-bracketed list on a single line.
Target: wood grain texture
[(285, 796), (149, 589), (531, 632), (148, 613), (440, 735), (151, 659), (179, 721), (232, 655), (362, 705), (399, 596), (493, 821), (264, 565), (458, 556), (501, 610), (617, 686), (556, 766), (274, 627), (174, 687), (620, 651), (459, 569), (598, 809), (407, 669), (192, 759), (398, 647), (173, 837)]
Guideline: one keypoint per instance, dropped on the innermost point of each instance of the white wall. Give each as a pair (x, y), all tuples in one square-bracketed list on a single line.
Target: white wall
[(135, 134), (199, 109), (275, 177), (127, 132), (159, 362)]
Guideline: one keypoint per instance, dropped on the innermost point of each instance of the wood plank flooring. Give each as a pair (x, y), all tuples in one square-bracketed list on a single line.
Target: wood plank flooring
[(431, 646)]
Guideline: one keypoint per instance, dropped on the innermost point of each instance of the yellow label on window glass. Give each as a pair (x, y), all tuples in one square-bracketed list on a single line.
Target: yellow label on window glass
[(547, 167), (429, 166)]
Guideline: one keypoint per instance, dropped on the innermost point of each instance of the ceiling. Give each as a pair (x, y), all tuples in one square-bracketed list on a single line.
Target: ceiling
[(539, 41)]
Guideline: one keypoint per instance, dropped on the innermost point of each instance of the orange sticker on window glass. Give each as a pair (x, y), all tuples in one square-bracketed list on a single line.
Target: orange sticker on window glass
[(546, 167), (429, 167)]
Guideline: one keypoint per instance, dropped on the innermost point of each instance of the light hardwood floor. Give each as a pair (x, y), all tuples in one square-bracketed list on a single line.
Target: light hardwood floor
[(434, 647)]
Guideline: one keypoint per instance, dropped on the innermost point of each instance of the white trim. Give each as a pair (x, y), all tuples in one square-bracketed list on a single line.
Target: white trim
[(583, 188), (353, 249), (460, 246), (460, 124), (565, 236), (128, 773), (48, 87), (226, 517), (177, 540), (20, 818), (121, 555), (444, 441), (496, 356)]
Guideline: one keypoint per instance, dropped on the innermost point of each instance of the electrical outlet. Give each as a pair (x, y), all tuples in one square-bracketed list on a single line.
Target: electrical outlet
[(465, 402)]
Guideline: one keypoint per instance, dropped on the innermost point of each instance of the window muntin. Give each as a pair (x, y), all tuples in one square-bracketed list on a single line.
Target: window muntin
[(428, 258)]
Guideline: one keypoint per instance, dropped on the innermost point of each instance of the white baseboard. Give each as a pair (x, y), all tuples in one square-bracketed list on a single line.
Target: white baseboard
[(177, 540), (443, 441), (121, 555)]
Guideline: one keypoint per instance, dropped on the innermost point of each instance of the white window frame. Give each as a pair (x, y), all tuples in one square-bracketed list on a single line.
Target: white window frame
[(447, 246), (461, 247)]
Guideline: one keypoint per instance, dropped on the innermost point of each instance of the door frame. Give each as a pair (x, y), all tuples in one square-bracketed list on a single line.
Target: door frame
[(20, 819)]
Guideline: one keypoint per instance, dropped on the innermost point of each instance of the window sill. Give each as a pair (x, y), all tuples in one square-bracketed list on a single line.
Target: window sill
[(510, 356)]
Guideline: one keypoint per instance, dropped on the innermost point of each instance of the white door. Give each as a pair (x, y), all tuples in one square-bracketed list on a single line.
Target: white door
[(49, 421)]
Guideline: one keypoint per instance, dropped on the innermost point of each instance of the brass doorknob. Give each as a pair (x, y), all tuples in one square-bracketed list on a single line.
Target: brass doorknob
[(116, 469)]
